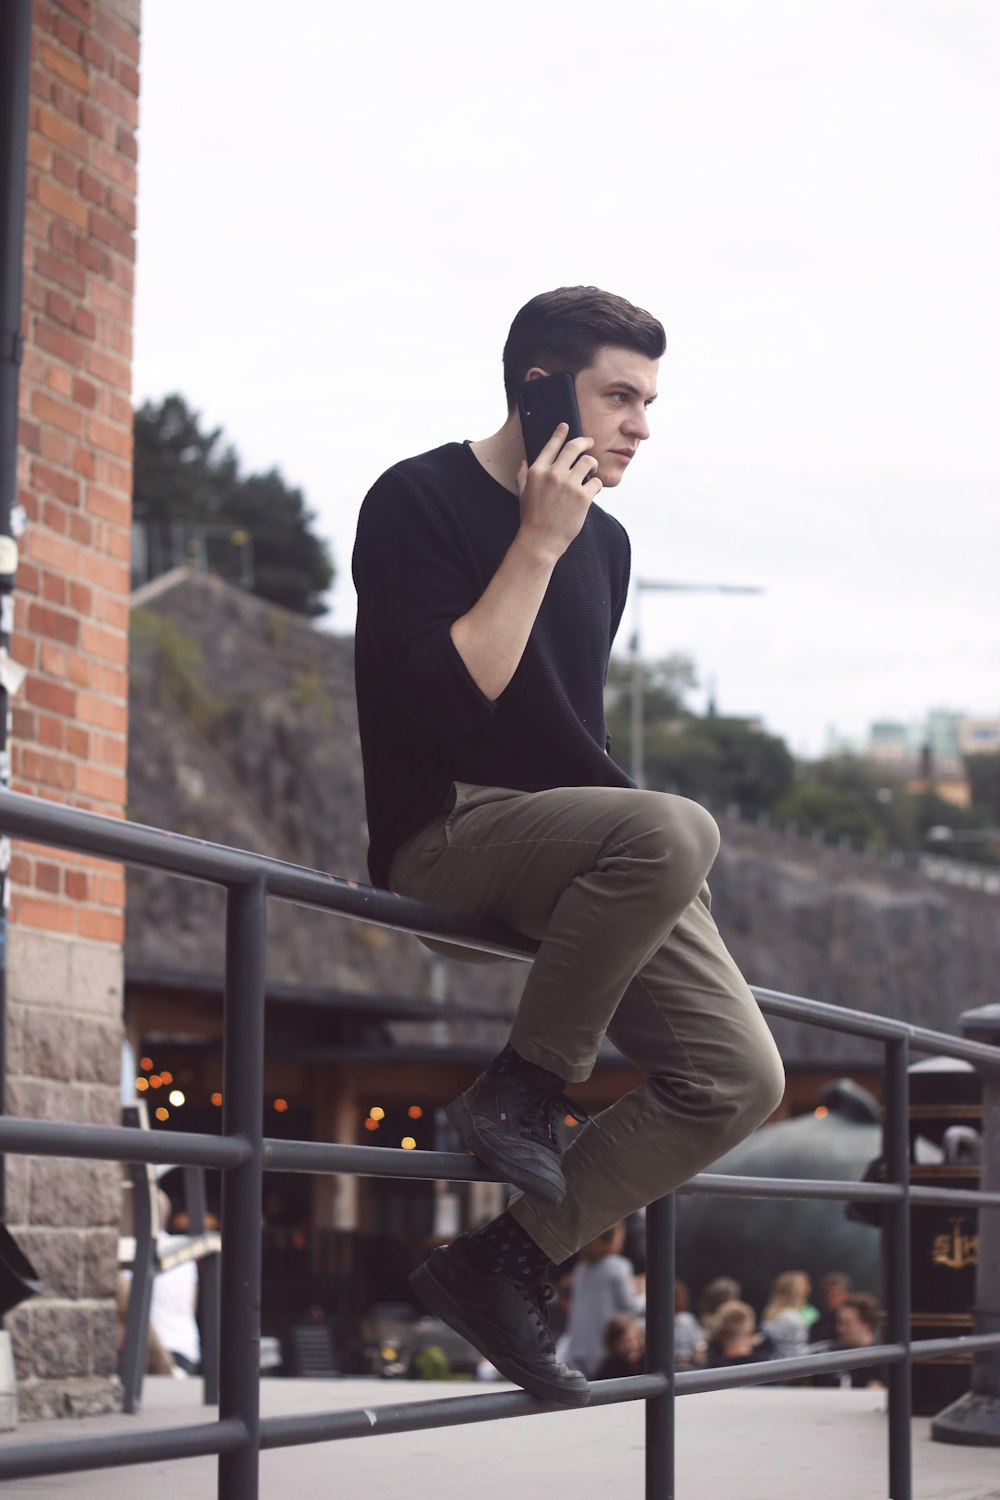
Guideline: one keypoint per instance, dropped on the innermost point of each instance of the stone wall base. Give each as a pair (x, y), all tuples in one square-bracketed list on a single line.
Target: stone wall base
[(86, 1396)]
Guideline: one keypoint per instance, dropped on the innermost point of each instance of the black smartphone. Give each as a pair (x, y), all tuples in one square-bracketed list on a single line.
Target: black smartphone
[(543, 404)]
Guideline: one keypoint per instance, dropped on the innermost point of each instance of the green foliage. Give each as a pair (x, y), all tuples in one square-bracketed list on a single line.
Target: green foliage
[(846, 796), (983, 772), (179, 666), (664, 684), (183, 474), (723, 760)]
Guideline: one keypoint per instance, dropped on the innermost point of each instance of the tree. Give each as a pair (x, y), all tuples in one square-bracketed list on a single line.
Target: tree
[(723, 760), (983, 772), (664, 684), (185, 475)]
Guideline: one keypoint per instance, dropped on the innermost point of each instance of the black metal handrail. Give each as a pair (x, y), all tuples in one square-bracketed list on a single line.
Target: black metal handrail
[(243, 1154)]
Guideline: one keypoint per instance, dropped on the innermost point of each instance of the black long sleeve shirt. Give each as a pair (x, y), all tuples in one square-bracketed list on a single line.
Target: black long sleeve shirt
[(432, 532)]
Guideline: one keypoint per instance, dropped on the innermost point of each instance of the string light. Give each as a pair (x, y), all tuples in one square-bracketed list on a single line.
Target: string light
[(162, 1114), (821, 1112), (156, 1081), (376, 1113), (408, 1143), (176, 1097), (371, 1124), (146, 1064), (217, 1100), (142, 1084), (281, 1105), (415, 1112), (166, 1077)]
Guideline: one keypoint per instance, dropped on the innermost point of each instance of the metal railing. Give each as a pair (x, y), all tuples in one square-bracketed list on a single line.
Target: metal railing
[(243, 1154)]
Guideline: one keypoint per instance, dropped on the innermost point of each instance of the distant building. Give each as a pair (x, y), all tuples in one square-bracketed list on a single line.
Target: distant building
[(930, 754)]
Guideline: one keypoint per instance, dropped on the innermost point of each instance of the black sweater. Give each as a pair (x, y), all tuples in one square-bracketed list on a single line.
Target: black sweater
[(431, 534)]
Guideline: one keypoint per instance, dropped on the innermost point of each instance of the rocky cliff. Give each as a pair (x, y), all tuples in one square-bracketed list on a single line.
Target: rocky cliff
[(244, 731)]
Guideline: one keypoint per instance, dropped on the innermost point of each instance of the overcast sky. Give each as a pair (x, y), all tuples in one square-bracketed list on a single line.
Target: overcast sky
[(341, 208)]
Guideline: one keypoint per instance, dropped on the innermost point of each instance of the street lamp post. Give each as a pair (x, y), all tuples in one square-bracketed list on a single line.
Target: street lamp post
[(667, 586)]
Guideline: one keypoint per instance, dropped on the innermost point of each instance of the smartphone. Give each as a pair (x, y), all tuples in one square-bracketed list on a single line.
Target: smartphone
[(542, 405)]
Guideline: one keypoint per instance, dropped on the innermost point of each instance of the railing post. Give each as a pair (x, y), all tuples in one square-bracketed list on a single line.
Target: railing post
[(975, 1417), (660, 1274), (242, 1105), (896, 1266)]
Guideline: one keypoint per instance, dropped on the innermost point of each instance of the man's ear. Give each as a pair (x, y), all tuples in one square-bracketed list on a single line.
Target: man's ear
[(535, 373)]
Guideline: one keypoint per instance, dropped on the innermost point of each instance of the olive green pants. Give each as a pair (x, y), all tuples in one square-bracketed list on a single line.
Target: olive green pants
[(611, 883)]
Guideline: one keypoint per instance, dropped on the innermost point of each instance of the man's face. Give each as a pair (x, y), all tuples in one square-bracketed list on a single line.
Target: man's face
[(851, 1330), (614, 395)]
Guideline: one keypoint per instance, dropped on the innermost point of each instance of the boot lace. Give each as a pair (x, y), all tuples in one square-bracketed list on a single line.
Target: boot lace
[(539, 1113)]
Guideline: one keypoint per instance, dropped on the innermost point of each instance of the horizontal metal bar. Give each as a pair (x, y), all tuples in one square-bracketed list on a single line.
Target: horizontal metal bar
[(883, 1028), (721, 1185), (459, 1166), (692, 1382), (120, 1143), (972, 1343), (75, 1455), (450, 1411)]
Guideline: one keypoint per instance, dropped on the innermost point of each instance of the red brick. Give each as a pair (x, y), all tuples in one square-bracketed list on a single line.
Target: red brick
[(21, 869), (84, 462), (105, 367), (57, 448), (39, 154), (59, 201), (60, 307), (112, 752), (64, 169), (24, 650), (71, 69), (49, 770), (94, 52), (48, 878), (59, 380), (62, 132), (30, 436), (27, 577), (108, 644), (107, 575), (51, 732), (54, 662), (114, 508), (82, 9), (109, 439), (41, 84), (54, 516), (79, 670), (103, 713), (53, 624), (96, 122), (128, 77), (84, 322), (54, 589), (111, 610), (107, 299), (109, 233), (117, 543), (122, 205), (92, 187), (57, 341), (105, 926), (35, 911), (111, 890), (76, 885), (77, 742), (51, 695), (105, 786), (81, 529), (81, 600), (60, 413), (119, 36), (92, 256), (117, 99), (84, 394), (56, 268), (54, 552), (113, 681), (120, 411), (112, 164)]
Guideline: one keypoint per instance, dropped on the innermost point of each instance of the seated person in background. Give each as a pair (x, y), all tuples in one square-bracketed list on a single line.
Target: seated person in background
[(734, 1340), (689, 1336), (783, 1320), (603, 1284), (722, 1289), (858, 1319), (625, 1348), (833, 1290)]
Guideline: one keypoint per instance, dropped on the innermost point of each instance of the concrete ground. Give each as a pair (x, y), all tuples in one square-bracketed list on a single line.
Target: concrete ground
[(777, 1443)]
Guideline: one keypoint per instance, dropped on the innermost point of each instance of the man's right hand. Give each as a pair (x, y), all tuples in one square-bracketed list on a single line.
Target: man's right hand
[(556, 493)]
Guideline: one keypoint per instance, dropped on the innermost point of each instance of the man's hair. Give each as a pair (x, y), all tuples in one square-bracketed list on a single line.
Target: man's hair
[(563, 330), (867, 1308), (734, 1320)]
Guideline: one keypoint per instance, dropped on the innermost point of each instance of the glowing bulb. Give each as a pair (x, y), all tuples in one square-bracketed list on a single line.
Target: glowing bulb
[(162, 1114), (376, 1113), (156, 1081), (166, 1077), (415, 1112), (371, 1124), (146, 1064), (281, 1105), (408, 1143), (570, 1120), (142, 1085), (822, 1112), (176, 1097), (217, 1100)]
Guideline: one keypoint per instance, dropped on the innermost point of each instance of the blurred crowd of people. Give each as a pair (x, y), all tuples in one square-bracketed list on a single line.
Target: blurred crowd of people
[(599, 1317)]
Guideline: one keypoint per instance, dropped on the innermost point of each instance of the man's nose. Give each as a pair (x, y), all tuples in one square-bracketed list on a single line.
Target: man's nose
[(637, 425)]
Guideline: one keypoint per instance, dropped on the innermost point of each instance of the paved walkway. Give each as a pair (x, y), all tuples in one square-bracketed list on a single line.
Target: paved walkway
[(775, 1443)]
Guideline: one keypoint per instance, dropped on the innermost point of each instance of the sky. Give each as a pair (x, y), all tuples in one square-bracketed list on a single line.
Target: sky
[(341, 209)]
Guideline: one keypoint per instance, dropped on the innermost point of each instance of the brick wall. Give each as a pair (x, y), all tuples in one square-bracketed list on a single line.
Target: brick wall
[(71, 718)]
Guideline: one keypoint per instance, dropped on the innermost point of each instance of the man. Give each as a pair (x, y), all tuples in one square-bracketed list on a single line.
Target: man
[(857, 1322), (834, 1289), (489, 594)]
